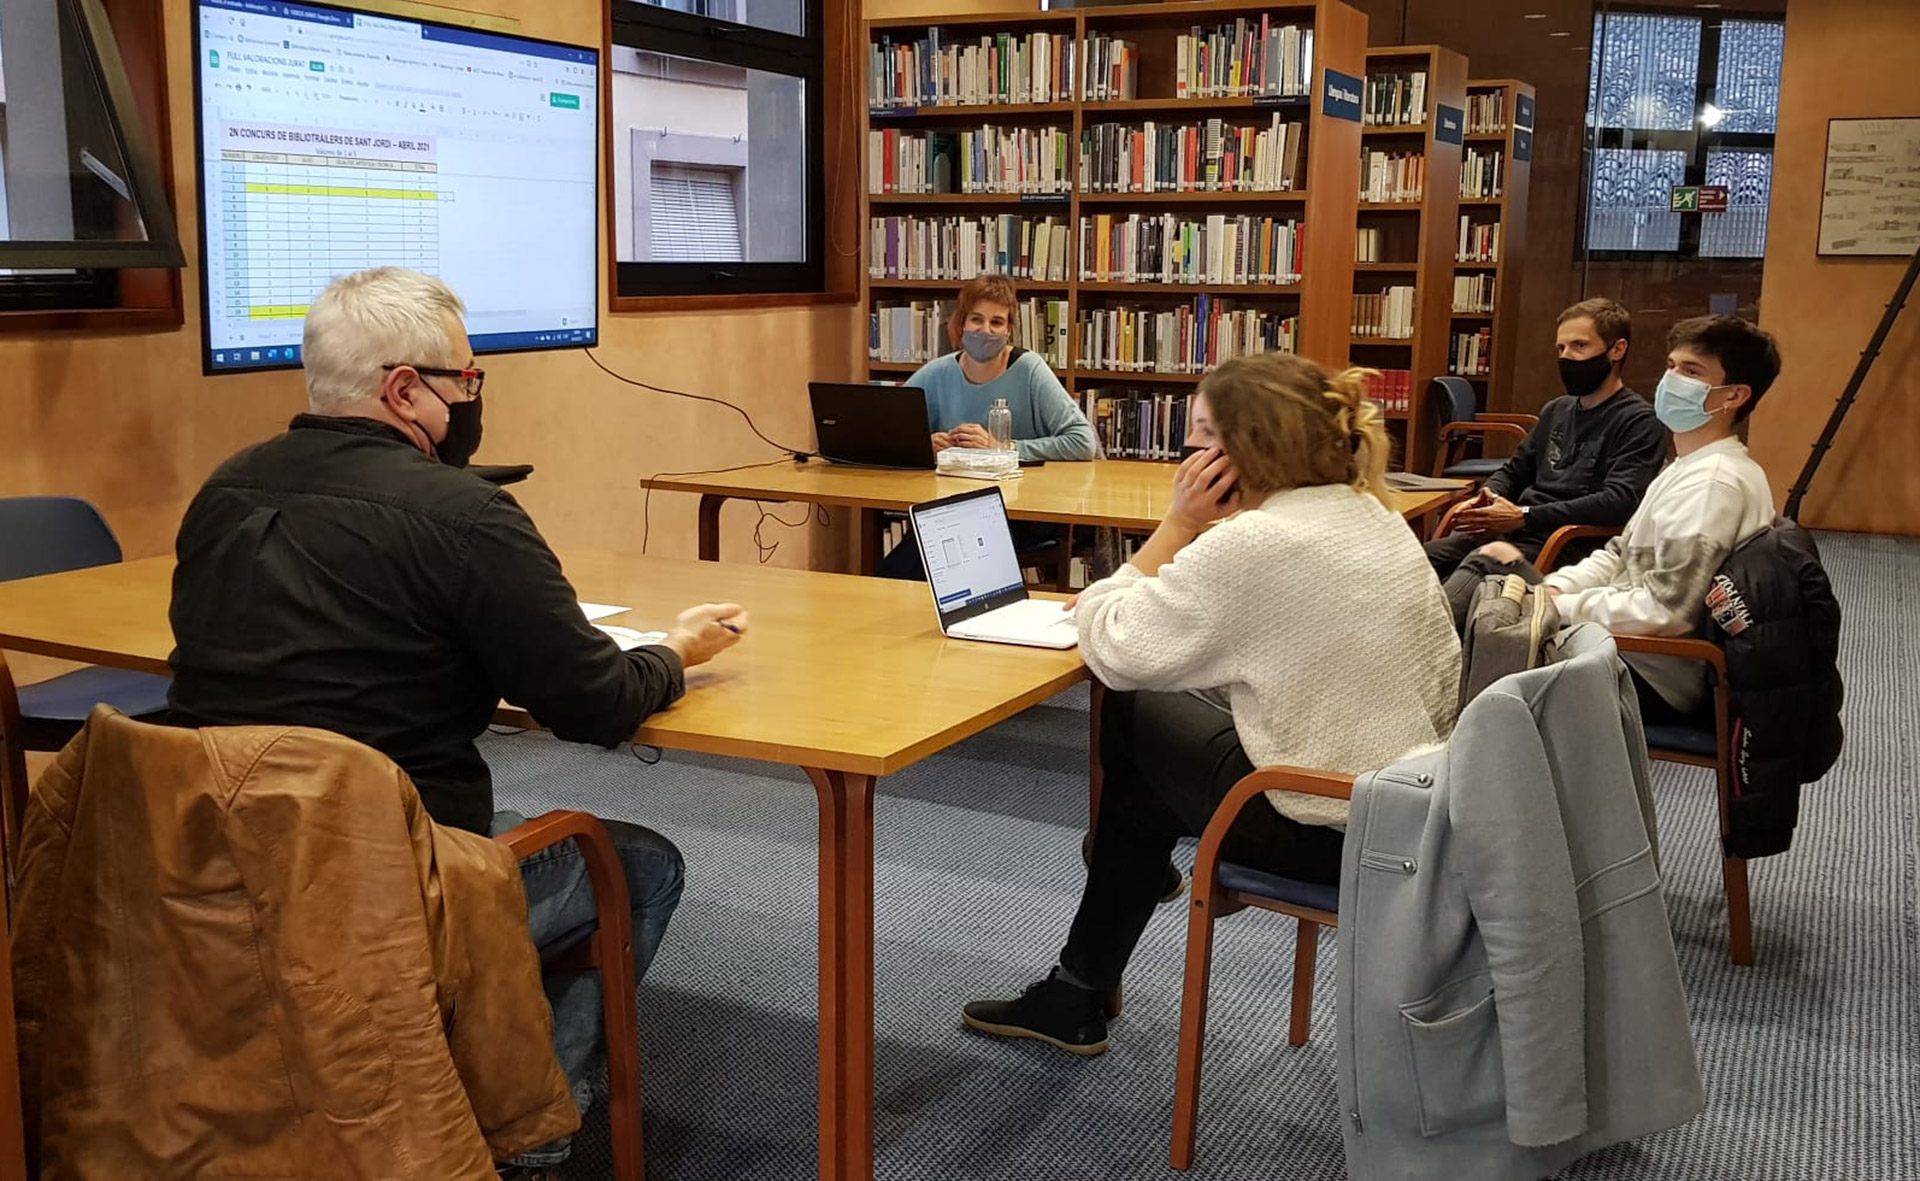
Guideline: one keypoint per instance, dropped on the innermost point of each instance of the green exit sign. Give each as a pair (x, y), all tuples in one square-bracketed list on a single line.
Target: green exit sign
[(1686, 199), (569, 102)]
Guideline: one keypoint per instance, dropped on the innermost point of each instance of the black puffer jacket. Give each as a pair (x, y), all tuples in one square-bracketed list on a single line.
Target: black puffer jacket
[(1772, 609)]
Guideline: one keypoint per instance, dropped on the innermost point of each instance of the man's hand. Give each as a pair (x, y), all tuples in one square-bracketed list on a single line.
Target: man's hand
[(971, 434), (1496, 516), (704, 632), (1203, 490), (941, 441)]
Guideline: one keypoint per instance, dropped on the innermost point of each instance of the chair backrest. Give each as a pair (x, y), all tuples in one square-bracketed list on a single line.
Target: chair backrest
[(48, 534), (1454, 400)]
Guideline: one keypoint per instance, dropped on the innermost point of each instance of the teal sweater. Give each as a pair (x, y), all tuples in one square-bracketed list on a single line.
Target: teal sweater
[(1046, 423)]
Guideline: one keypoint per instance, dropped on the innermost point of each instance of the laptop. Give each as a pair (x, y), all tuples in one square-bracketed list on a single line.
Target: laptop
[(975, 577), (872, 425)]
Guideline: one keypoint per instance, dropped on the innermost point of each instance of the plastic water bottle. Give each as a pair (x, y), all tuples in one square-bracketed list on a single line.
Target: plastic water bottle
[(1000, 425)]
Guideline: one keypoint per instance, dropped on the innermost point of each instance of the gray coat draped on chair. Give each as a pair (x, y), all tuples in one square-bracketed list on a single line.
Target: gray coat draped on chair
[(1509, 998)]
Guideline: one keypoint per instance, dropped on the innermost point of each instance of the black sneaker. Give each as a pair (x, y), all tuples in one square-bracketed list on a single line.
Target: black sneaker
[(1172, 885), (1062, 1015)]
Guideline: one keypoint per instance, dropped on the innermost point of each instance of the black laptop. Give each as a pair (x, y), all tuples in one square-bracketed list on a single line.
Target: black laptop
[(872, 425)]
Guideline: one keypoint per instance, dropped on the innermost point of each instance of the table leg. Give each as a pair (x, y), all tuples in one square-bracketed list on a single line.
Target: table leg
[(869, 542), (710, 505), (846, 974)]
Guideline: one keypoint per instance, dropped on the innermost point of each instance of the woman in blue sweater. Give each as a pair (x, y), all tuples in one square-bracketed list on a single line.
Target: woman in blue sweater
[(963, 385)]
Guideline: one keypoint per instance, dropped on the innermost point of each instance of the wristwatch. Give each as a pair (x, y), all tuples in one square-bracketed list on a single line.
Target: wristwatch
[(1524, 509)]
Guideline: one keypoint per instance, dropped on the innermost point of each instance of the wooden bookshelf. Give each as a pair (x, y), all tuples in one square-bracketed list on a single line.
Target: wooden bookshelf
[(1416, 237), (1327, 180), (1509, 210)]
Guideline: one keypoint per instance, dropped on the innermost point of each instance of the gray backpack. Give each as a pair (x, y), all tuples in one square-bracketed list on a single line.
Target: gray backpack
[(1507, 628)]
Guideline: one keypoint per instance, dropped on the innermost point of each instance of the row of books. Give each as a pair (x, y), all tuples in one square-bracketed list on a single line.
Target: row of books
[(1473, 293), (1191, 338), (1137, 424), (1113, 68), (958, 248), (998, 68), (1483, 174), (1210, 156), (1478, 242), (1487, 113), (1387, 314), (915, 331), (1247, 58), (1395, 99), (989, 160), (1392, 176), (1392, 389), (1170, 248), (1472, 353), (1369, 244)]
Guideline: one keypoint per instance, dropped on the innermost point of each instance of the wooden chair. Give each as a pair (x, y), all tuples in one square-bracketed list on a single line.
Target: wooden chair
[(1699, 746), (1222, 888), (1460, 425), (608, 949)]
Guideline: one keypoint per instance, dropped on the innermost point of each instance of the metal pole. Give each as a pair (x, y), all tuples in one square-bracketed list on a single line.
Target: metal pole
[(1845, 403)]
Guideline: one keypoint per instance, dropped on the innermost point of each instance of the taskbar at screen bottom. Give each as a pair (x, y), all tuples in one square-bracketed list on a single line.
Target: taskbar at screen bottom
[(287, 356)]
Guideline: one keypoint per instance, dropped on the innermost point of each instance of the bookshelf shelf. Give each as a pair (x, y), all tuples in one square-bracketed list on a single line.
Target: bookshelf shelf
[(1241, 290), (1326, 174), (1473, 316), (965, 111), (1511, 102), (1274, 197), (1429, 82)]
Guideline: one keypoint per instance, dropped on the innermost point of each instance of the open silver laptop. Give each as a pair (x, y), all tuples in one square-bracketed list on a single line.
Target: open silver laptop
[(975, 577)]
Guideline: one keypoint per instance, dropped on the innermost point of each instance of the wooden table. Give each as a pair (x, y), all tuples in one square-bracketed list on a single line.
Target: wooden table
[(1126, 494), (848, 678)]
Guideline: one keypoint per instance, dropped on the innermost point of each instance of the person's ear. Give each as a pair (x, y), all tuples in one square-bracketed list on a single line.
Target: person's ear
[(1617, 351), (1735, 396), (399, 391)]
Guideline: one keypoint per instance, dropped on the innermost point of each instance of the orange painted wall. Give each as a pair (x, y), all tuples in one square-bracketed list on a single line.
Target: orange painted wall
[(1844, 59)]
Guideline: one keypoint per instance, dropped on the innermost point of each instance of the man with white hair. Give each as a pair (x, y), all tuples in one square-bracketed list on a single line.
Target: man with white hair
[(349, 575)]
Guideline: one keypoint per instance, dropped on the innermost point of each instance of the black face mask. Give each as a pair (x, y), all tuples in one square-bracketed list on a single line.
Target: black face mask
[(463, 432), (1583, 377)]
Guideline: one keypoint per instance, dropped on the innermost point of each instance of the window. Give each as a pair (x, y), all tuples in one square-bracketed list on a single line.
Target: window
[(717, 147), (1675, 100)]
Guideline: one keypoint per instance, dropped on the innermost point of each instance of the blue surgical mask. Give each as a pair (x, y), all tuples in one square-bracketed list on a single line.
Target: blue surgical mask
[(1680, 402), (983, 346)]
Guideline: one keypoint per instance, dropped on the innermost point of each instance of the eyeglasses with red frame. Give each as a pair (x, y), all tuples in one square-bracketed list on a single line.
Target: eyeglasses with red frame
[(471, 379)]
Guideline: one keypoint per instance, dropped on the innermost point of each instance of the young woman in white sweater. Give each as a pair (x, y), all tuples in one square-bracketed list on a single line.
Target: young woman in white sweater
[(1306, 628)]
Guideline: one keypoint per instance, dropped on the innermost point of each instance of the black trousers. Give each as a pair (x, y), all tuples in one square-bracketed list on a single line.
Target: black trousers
[(1446, 553), (1168, 760)]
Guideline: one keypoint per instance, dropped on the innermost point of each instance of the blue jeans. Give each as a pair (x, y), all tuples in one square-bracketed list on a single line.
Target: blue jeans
[(560, 910)]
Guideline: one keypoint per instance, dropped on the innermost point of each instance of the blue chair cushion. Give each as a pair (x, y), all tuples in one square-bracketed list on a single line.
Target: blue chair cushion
[(1473, 469), (1684, 740), (72, 696), (1261, 884)]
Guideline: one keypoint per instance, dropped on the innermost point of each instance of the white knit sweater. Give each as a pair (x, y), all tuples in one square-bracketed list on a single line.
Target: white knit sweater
[(1319, 614)]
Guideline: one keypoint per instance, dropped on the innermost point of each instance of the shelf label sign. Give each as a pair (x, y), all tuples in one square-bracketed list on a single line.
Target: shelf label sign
[(1451, 127), (1522, 144), (1523, 112), (1341, 96)]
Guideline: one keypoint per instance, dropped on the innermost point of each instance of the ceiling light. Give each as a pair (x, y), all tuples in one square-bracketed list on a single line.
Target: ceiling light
[(1711, 116), (1534, 16), (1559, 34)]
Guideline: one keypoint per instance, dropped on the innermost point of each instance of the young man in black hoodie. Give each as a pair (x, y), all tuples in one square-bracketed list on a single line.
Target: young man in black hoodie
[(1588, 461)]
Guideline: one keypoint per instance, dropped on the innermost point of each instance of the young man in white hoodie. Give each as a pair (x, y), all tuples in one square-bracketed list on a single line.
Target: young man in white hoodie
[(1652, 580)]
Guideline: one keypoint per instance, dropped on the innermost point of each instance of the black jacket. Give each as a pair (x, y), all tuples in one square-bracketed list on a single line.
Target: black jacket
[(1773, 611), (1584, 467), (338, 577)]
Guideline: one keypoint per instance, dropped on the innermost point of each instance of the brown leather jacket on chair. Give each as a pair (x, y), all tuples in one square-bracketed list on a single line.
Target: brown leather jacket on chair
[(248, 951)]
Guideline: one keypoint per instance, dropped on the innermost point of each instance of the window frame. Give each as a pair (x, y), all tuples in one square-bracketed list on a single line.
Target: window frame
[(1697, 141), (110, 297), (638, 286)]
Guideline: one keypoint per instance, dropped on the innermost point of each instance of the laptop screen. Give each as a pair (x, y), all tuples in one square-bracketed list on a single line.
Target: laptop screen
[(968, 550)]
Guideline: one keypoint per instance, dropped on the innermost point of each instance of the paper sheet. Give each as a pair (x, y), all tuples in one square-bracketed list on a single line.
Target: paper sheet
[(601, 610), (628, 639)]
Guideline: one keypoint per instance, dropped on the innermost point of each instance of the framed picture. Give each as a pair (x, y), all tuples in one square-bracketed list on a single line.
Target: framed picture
[(1870, 198)]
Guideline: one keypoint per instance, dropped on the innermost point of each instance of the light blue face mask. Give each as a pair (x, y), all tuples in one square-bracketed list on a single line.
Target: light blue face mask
[(983, 346), (1680, 402)]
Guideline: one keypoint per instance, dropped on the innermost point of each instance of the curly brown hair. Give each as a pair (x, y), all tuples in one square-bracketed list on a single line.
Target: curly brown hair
[(1286, 422)]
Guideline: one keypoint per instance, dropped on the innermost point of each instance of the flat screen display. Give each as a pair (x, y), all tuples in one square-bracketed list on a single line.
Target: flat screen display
[(332, 140)]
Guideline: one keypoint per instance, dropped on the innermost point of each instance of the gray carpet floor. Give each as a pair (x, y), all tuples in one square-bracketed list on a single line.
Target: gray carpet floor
[(1811, 1059)]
